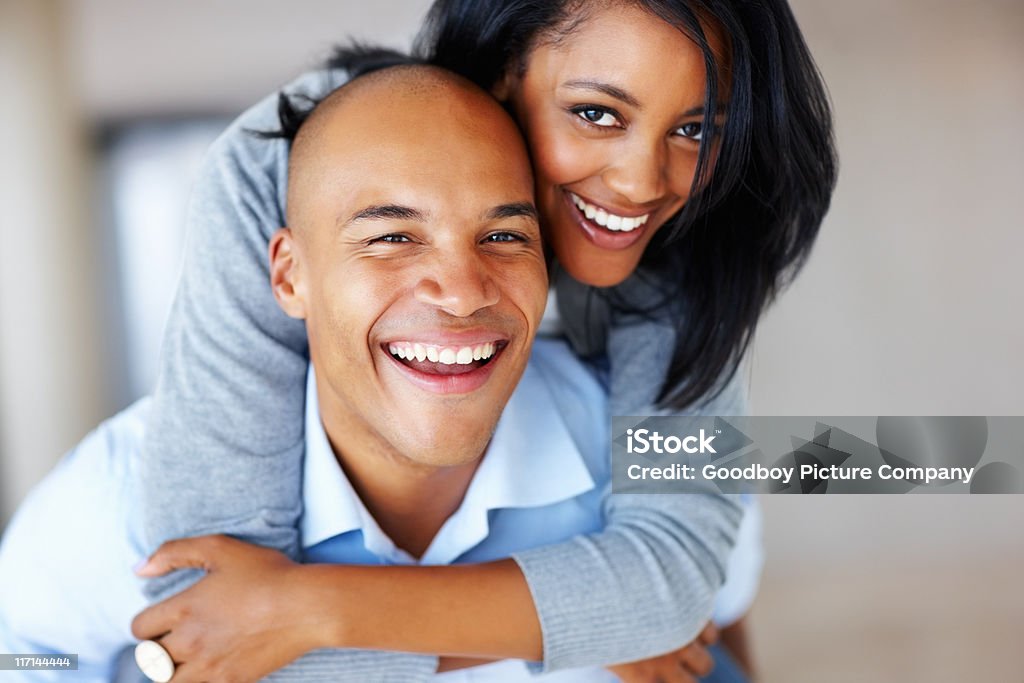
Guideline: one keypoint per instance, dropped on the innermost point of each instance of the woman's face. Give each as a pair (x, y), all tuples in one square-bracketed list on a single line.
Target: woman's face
[(612, 114)]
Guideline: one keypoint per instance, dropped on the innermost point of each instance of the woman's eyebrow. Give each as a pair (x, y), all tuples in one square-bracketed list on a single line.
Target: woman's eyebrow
[(602, 87), (623, 96)]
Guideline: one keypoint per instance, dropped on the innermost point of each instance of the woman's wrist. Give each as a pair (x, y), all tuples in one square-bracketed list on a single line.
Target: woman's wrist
[(318, 600)]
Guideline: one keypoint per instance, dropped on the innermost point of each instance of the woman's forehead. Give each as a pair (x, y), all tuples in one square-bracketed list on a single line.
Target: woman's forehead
[(619, 27)]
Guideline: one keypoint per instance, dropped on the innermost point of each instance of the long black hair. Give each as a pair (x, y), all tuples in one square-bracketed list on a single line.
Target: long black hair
[(749, 226)]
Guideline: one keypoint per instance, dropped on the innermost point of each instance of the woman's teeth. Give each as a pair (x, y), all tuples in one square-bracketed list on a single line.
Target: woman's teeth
[(445, 355), (608, 220)]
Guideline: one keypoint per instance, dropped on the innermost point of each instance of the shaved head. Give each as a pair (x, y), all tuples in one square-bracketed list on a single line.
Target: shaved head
[(392, 111)]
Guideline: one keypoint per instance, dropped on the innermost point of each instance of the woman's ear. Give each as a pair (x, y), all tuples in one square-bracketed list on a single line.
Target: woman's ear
[(286, 273), (504, 87)]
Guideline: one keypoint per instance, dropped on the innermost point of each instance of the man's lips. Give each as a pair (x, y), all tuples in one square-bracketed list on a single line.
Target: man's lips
[(444, 354), (446, 368)]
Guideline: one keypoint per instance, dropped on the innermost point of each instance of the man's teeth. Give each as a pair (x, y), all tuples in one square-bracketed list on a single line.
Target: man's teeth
[(608, 220), (446, 355)]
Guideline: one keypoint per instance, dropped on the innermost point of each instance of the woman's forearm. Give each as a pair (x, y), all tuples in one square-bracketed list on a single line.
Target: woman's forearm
[(639, 589), (481, 610)]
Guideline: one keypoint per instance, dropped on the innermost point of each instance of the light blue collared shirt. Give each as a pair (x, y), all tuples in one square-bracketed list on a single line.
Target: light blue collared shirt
[(66, 583), (542, 480), (535, 485)]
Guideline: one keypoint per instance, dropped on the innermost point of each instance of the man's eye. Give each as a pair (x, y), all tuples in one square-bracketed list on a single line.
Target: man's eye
[(390, 239), (693, 130), (597, 116), (504, 237)]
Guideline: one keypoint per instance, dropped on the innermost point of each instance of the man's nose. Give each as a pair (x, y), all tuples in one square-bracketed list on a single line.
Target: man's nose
[(459, 284)]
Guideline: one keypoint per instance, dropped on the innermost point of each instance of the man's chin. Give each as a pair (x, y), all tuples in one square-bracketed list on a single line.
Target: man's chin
[(454, 446)]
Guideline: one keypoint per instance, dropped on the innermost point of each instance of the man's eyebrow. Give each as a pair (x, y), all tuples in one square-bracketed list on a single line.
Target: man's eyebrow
[(513, 210), (377, 212)]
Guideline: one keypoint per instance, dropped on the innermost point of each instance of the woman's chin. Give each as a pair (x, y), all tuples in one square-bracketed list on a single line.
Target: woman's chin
[(598, 272)]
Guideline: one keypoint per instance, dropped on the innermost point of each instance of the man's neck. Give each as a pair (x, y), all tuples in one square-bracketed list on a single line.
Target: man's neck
[(410, 501)]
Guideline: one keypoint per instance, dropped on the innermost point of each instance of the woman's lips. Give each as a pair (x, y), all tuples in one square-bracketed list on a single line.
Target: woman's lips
[(602, 236)]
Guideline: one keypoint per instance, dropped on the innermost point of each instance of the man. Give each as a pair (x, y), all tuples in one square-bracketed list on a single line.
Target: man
[(420, 275)]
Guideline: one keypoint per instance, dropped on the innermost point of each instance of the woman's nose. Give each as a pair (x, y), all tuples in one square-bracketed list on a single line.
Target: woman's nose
[(638, 171)]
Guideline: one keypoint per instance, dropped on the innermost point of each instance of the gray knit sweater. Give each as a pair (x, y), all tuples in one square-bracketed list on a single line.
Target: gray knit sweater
[(223, 450)]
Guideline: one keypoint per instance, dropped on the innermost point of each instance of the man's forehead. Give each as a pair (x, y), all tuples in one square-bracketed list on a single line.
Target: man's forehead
[(442, 149), (403, 102)]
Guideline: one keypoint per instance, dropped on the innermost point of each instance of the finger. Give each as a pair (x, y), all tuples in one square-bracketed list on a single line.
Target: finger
[(627, 674), (183, 553), (709, 636), (675, 674), (186, 673), (697, 660), (155, 621)]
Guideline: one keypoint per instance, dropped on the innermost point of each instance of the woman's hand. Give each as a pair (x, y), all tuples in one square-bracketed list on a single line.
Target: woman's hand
[(684, 665), (246, 618)]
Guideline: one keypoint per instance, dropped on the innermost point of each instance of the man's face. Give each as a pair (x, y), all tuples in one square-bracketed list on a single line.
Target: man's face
[(418, 267)]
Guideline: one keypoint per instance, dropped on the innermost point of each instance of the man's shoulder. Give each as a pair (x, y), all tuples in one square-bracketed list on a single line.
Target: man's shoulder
[(115, 441), (579, 398), (566, 375), (67, 550)]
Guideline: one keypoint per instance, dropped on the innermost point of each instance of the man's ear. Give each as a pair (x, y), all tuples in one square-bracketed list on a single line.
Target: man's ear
[(286, 274)]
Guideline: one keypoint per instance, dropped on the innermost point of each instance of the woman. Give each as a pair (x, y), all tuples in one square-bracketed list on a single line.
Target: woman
[(683, 161)]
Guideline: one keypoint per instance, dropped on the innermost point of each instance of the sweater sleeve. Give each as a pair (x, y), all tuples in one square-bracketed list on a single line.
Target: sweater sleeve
[(651, 576), (224, 443), (643, 586)]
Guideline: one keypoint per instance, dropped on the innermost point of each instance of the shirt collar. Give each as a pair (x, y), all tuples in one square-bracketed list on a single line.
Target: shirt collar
[(330, 504), (531, 461)]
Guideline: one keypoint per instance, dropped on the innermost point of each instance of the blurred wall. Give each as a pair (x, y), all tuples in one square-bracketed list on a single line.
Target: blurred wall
[(910, 304), (134, 57), (52, 363)]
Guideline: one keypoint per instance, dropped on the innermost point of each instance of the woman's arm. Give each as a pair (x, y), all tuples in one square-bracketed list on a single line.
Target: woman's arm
[(255, 611)]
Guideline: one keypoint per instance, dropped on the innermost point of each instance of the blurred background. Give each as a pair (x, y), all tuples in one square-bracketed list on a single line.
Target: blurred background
[(910, 305)]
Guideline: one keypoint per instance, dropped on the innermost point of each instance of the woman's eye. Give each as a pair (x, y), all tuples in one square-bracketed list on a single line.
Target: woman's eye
[(598, 117), (693, 130)]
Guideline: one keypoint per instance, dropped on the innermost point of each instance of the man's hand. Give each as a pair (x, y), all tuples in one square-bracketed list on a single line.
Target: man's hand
[(684, 665), (240, 622)]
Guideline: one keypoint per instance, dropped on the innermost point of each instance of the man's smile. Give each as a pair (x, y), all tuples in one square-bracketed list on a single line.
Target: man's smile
[(434, 354), (447, 366)]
